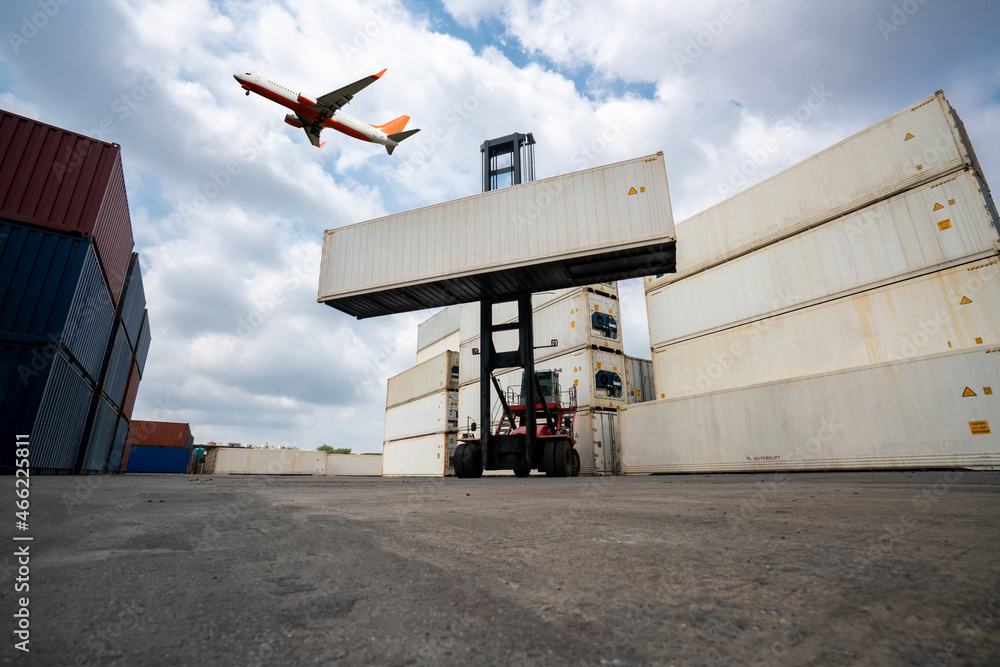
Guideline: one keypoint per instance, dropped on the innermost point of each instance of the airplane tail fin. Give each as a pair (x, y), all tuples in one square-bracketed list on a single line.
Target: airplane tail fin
[(399, 136), (394, 126)]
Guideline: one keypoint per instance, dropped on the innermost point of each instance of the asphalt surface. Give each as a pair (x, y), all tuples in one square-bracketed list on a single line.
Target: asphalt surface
[(805, 569)]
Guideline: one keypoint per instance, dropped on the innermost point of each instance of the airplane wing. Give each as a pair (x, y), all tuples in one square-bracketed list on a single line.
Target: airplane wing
[(342, 96), (312, 131)]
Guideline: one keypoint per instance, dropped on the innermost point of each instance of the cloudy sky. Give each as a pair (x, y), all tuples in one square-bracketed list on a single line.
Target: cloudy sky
[(229, 204)]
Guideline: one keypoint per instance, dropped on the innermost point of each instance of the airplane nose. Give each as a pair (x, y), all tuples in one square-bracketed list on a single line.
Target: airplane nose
[(236, 76)]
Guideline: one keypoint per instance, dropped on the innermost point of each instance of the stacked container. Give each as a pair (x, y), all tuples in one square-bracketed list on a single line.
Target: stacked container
[(439, 333), (880, 249), (421, 418), (585, 323), (152, 435), (65, 251)]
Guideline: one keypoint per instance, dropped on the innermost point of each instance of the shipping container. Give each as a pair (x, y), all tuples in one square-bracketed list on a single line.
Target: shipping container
[(142, 349), (161, 434), (24, 373), (935, 411), (90, 320), (102, 436), (915, 146), (639, 384), (605, 223), (357, 465), (580, 318), (56, 179), (436, 413), (423, 456), (116, 458), (131, 391), (442, 324), (116, 376), (158, 459), (128, 448), (135, 302), (239, 461), (944, 223), (596, 433), (449, 343), (430, 377), (61, 420), (952, 309)]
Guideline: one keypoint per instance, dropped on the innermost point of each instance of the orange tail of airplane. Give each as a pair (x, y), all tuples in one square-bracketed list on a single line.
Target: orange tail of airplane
[(394, 126)]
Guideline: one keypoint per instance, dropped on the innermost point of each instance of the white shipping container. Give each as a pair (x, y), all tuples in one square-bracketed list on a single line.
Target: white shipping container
[(232, 461), (952, 309), (596, 433), (932, 411), (448, 343), (639, 385), (543, 234), (430, 377), (426, 456), (950, 221), (913, 147), (357, 465), (582, 318), (441, 324), (437, 413)]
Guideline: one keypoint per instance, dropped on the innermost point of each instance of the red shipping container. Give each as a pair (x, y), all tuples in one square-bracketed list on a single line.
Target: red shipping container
[(161, 434), (57, 179), (128, 448), (131, 389)]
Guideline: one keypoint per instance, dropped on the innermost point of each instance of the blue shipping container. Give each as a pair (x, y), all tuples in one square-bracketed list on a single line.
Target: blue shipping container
[(101, 436), (24, 372), (118, 368), (142, 349), (158, 459), (59, 427), (90, 319), (118, 447), (135, 302)]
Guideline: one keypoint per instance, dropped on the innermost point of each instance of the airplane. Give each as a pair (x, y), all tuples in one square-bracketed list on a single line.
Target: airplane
[(313, 114)]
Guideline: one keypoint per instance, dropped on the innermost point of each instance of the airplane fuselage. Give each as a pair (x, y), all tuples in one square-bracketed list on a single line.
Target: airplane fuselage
[(336, 120)]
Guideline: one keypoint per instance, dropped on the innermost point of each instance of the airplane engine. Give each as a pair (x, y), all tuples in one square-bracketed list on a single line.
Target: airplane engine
[(308, 101), (293, 120)]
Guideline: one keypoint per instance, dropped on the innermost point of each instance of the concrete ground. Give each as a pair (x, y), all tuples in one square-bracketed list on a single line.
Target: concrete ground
[(803, 569)]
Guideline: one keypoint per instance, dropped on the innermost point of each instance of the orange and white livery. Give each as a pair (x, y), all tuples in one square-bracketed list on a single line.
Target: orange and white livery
[(313, 114)]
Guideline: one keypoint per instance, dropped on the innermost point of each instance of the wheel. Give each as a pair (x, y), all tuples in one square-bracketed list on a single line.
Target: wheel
[(562, 457), (576, 464), (548, 461), (459, 464), (522, 472), (472, 461)]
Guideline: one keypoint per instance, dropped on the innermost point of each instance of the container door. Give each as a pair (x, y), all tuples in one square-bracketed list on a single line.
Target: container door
[(605, 426)]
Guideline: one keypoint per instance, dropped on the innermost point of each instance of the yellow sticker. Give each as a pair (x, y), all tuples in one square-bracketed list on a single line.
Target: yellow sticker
[(598, 365), (979, 341), (980, 428), (938, 207), (576, 383), (988, 390), (596, 307), (908, 137), (968, 392), (663, 395), (966, 300), (572, 325), (951, 201), (642, 189), (632, 191), (944, 224)]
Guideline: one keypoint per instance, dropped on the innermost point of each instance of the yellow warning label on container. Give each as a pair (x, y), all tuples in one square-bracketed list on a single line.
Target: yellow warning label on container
[(937, 207), (598, 365), (572, 325), (944, 224), (979, 341), (966, 300), (632, 191), (980, 428), (596, 307), (576, 383), (951, 201), (968, 392), (642, 189), (987, 390), (908, 137)]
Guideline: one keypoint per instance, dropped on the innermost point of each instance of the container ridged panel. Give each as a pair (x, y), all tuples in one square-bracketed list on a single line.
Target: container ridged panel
[(131, 390), (90, 320), (24, 372), (39, 272), (118, 446), (102, 436), (158, 459), (113, 231), (58, 432), (161, 434), (118, 368), (142, 349), (135, 303)]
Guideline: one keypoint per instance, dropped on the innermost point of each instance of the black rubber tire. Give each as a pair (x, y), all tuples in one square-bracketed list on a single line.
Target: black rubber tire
[(459, 463), (522, 472), (576, 464), (548, 464), (562, 458), (472, 461)]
